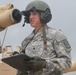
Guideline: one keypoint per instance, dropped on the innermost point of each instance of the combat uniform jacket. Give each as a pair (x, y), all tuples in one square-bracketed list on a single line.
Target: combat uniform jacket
[(57, 54)]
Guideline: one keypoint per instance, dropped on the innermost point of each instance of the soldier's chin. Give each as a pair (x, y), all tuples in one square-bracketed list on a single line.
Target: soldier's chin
[(32, 24)]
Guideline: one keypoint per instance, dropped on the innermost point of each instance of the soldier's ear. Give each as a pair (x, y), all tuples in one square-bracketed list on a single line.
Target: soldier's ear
[(46, 16)]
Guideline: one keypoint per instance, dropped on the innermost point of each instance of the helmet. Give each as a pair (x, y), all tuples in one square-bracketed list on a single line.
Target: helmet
[(41, 6)]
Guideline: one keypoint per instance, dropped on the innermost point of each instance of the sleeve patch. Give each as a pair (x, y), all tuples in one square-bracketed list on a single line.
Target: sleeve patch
[(66, 43)]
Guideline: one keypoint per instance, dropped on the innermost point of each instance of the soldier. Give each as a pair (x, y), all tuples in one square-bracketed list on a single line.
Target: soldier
[(48, 46)]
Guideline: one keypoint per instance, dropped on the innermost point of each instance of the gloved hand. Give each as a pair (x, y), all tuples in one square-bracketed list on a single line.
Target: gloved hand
[(14, 53), (36, 64)]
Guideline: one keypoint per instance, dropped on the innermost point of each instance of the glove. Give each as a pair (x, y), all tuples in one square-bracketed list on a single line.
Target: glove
[(14, 53), (36, 64)]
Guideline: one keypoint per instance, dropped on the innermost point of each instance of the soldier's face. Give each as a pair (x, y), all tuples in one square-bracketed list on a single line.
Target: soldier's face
[(34, 19)]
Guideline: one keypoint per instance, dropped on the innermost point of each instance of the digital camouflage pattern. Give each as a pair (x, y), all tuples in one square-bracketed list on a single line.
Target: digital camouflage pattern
[(57, 54)]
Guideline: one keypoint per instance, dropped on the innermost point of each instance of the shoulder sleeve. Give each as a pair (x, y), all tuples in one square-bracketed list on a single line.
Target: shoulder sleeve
[(62, 49), (60, 37)]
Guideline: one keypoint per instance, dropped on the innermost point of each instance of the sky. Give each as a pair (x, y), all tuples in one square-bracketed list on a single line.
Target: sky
[(63, 18)]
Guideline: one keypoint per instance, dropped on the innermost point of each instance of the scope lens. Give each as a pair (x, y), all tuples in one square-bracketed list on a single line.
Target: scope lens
[(16, 15)]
